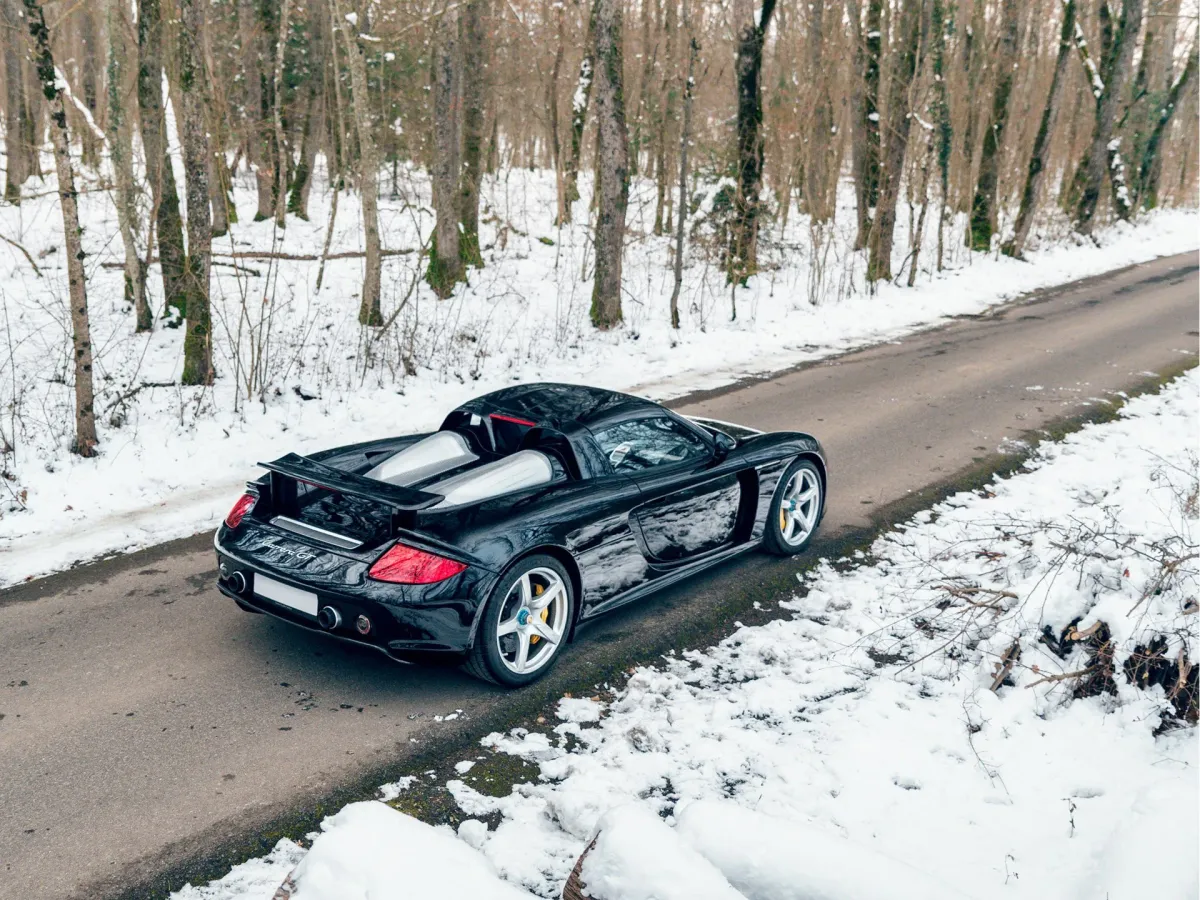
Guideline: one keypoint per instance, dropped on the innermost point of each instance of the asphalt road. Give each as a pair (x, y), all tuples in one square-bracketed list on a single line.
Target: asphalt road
[(145, 720)]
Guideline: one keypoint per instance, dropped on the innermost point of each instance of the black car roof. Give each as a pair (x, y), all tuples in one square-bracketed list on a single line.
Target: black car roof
[(559, 406)]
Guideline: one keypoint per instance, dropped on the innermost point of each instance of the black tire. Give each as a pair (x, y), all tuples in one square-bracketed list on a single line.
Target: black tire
[(485, 659), (775, 540)]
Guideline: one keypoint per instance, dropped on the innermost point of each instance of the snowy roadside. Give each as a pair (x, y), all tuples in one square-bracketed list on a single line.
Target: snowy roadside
[(995, 703), (171, 458)]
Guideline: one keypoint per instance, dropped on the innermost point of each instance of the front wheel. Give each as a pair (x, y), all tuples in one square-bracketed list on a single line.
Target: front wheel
[(795, 509), (525, 623)]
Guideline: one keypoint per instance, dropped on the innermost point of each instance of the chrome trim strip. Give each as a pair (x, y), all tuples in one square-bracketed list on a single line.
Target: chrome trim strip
[(317, 534)]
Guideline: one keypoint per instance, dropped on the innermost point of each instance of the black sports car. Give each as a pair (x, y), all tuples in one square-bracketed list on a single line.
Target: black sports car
[(531, 510)]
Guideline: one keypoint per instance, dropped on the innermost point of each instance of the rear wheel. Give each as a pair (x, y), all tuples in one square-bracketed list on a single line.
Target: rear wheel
[(525, 623), (795, 509)]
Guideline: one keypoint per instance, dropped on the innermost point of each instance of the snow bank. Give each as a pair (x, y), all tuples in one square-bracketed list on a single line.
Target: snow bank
[(769, 858), (369, 851), (858, 749), (297, 373)]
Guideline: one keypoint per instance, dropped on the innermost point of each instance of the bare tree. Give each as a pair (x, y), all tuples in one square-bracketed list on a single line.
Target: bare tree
[(743, 237), (1102, 159), (254, 29), (1015, 246), (685, 136), (612, 163), (281, 173), (983, 205), (369, 311), (159, 172), (85, 418), (865, 151), (445, 254), (474, 89), (1150, 169), (197, 343), (904, 66), (579, 109), (18, 153), (122, 51)]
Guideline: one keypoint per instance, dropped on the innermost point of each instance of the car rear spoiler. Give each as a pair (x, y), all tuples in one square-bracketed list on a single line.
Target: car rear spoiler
[(288, 470)]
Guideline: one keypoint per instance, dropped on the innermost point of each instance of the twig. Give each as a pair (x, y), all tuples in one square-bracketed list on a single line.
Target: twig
[(1063, 676)]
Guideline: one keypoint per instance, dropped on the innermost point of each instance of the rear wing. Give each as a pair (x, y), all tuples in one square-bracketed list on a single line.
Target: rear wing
[(288, 470)]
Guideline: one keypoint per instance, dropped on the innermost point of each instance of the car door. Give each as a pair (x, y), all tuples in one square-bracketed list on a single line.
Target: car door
[(688, 509)]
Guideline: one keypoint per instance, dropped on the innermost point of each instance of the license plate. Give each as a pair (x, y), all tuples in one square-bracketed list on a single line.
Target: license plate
[(285, 594)]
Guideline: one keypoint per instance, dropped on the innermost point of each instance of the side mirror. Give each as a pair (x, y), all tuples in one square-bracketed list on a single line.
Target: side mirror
[(722, 444)]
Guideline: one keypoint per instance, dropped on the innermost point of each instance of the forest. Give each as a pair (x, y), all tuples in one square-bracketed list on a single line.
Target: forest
[(898, 136)]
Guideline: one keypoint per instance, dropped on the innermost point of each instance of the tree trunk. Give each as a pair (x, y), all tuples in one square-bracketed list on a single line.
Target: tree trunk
[(159, 171), (866, 119), (445, 255), (579, 109), (1150, 169), (941, 116), (16, 113), (1015, 247), (556, 148), (904, 65), (983, 205), (742, 259), (369, 311), (197, 343), (253, 34), (685, 135), (121, 52), (1102, 159), (85, 418), (314, 113), (820, 173), (612, 163), (280, 194), (474, 89)]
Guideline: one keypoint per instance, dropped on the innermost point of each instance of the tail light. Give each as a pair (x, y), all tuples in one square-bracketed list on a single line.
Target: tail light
[(408, 565), (244, 505)]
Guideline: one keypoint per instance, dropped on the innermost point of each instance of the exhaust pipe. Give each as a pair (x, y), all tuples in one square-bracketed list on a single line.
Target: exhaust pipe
[(329, 618), (237, 581)]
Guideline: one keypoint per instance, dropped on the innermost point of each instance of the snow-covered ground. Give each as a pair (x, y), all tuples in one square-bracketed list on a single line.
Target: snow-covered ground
[(297, 373), (918, 727)]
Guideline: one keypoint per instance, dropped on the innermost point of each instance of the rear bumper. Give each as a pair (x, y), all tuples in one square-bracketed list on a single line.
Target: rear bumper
[(430, 629)]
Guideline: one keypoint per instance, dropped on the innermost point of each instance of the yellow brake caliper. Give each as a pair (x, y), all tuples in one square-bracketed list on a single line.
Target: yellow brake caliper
[(537, 591)]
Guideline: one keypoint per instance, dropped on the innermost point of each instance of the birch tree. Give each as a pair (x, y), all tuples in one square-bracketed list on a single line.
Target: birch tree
[(81, 338), (612, 163)]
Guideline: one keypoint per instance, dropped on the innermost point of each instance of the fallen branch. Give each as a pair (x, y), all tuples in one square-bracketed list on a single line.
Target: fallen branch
[(12, 243), (1063, 676), (1005, 665)]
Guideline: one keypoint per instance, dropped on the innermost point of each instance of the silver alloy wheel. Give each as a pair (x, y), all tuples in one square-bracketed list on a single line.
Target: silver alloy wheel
[(532, 621), (799, 507)]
